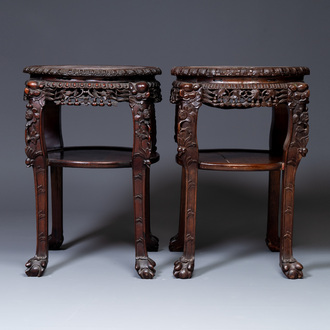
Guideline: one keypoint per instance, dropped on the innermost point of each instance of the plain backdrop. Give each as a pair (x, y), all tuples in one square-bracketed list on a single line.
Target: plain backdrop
[(231, 206)]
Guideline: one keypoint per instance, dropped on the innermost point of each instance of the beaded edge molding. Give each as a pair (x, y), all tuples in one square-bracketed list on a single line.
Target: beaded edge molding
[(240, 71), (85, 71)]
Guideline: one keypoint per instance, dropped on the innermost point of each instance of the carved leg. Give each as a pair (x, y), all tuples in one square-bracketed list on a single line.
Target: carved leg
[(37, 265), (36, 158), (151, 240), (291, 268), (142, 110), (272, 238), (143, 265), (183, 268), (187, 97), (298, 95), (176, 242), (56, 238)]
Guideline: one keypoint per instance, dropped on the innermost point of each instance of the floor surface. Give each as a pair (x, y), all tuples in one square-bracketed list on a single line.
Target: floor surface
[(91, 282)]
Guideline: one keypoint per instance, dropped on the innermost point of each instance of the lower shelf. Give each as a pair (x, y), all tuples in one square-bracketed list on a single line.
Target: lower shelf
[(238, 160), (93, 157)]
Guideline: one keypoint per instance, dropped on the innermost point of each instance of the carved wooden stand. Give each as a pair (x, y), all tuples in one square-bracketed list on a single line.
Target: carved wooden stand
[(281, 88), (50, 87)]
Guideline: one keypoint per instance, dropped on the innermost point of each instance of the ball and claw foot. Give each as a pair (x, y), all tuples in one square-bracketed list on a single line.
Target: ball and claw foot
[(145, 267), (36, 266), (176, 244), (152, 243), (292, 269), (273, 245), (183, 268), (53, 243)]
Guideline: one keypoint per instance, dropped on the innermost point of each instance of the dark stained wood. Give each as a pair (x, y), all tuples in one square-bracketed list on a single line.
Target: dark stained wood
[(239, 160), (56, 238), (94, 157), (281, 88), (274, 189), (50, 87), (177, 241)]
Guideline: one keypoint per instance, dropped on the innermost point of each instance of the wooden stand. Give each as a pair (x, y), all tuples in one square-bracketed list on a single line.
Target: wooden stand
[(281, 88), (50, 87)]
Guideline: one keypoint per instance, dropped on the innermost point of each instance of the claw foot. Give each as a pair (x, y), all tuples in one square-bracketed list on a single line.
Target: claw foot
[(176, 244), (292, 269), (273, 245), (145, 267), (53, 243), (36, 266), (152, 243), (183, 268)]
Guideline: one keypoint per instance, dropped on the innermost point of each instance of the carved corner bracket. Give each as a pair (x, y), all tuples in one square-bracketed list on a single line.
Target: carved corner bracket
[(188, 97), (141, 105), (298, 97), (34, 94)]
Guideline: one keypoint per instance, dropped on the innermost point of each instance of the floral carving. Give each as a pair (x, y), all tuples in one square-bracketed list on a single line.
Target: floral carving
[(74, 93), (33, 94), (142, 119), (298, 97), (225, 97), (189, 99)]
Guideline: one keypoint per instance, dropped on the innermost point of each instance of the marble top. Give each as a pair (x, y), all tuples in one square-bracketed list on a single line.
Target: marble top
[(239, 71), (91, 71)]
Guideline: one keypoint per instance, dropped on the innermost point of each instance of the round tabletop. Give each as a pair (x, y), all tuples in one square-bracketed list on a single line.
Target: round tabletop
[(239, 71), (91, 71)]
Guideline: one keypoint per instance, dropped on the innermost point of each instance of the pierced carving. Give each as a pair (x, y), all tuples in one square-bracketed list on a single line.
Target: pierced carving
[(92, 93), (225, 97)]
